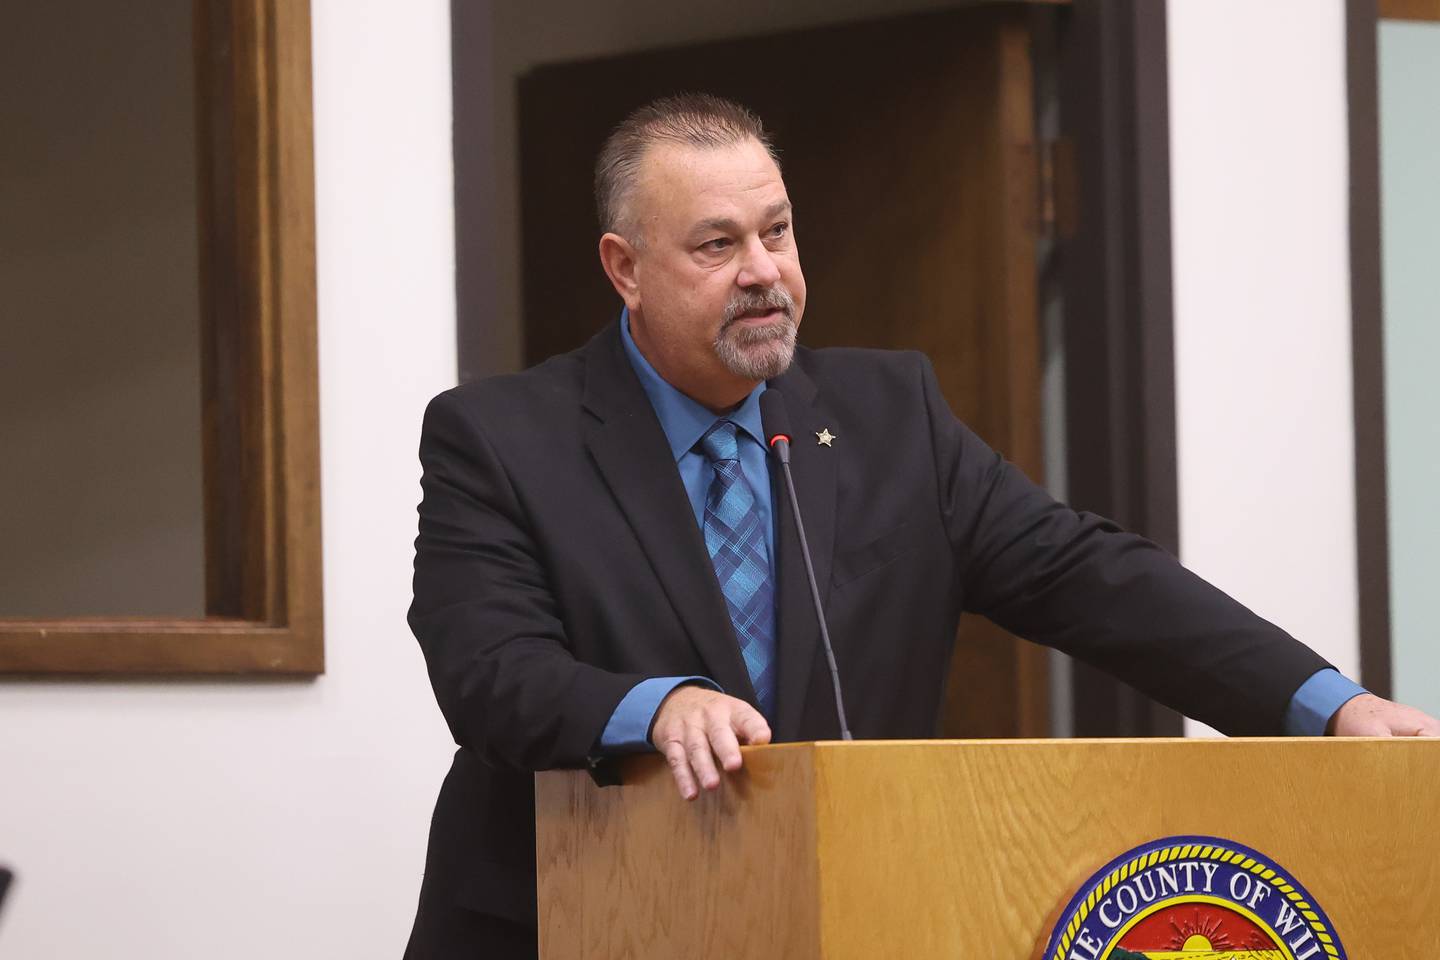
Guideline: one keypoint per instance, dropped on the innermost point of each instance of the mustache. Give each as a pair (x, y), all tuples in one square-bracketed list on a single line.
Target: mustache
[(758, 301)]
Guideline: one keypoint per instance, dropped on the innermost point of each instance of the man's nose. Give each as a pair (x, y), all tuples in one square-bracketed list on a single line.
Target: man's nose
[(758, 269)]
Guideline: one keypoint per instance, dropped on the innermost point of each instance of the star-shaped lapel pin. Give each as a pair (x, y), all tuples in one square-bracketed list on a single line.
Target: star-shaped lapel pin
[(824, 437)]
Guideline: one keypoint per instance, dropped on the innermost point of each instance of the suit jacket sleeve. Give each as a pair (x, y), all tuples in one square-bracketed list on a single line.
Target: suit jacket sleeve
[(1077, 582), (494, 641)]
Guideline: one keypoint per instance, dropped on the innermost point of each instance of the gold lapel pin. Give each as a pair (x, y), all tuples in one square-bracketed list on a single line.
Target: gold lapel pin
[(824, 437)]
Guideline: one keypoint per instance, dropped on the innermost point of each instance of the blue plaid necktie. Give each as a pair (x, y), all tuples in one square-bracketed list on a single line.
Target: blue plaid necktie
[(735, 538)]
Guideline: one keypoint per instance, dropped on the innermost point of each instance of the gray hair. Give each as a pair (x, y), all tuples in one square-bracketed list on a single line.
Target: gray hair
[(689, 119)]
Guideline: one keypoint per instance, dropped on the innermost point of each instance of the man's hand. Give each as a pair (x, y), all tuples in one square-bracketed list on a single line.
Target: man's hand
[(1370, 716), (695, 726)]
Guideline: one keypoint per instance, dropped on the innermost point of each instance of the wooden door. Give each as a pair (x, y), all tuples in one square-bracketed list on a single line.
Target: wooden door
[(908, 147)]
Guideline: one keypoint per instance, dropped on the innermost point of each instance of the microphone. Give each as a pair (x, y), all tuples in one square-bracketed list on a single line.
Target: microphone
[(776, 419)]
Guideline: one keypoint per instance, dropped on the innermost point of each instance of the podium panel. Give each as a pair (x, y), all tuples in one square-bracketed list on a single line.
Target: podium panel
[(928, 849)]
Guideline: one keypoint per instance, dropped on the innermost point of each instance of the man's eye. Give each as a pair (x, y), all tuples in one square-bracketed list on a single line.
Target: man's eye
[(780, 229), (717, 245)]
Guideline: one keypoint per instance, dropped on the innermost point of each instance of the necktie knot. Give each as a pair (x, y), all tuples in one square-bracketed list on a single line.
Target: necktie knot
[(719, 442)]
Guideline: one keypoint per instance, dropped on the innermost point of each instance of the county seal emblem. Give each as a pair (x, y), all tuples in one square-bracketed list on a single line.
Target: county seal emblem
[(1193, 898)]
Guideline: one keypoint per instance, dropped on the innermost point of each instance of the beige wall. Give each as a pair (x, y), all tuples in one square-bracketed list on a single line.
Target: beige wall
[(100, 496)]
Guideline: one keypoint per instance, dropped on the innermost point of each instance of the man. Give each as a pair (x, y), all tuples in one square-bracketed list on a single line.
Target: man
[(603, 563)]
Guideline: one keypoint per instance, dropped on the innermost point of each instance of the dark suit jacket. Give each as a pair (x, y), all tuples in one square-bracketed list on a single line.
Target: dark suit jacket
[(559, 563)]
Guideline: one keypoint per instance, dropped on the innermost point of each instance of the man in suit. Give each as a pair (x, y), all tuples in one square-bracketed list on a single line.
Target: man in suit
[(604, 563)]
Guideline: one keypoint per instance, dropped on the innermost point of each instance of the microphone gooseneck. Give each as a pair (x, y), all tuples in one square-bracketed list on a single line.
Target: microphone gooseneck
[(776, 419)]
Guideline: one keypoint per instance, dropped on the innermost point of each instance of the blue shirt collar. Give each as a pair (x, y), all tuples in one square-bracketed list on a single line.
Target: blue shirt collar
[(683, 420)]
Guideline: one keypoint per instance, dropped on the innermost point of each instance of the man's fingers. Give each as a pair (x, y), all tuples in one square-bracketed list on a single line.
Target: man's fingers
[(1426, 725), (700, 732), (702, 761), (723, 743), (674, 752), (752, 728)]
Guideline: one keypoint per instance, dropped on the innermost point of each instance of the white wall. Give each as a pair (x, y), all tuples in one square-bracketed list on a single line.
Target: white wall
[(1260, 180), (243, 820)]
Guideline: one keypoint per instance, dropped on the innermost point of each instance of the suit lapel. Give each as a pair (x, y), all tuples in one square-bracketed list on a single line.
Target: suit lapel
[(814, 469), (625, 439)]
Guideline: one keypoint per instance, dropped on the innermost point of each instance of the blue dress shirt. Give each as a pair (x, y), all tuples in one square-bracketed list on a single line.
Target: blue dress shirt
[(684, 422), (1316, 702)]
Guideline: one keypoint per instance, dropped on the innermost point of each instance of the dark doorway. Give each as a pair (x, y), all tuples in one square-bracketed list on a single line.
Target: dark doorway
[(926, 205), (908, 147)]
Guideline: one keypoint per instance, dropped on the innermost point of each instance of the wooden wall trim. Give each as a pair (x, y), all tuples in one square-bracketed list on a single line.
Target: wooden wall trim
[(262, 451), (298, 566), (1410, 9), (153, 648), (1372, 534)]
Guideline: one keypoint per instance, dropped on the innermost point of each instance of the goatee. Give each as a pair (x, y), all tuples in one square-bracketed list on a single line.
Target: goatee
[(757, 352)]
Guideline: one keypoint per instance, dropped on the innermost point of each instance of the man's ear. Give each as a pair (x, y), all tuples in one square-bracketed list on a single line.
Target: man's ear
[(617, 256)]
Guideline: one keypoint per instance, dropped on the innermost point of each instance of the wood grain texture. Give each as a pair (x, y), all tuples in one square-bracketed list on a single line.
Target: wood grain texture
[(1410, 9), (969, 848), (998, 684), (260, 378), (295, 352), (733, 874), (140, 647)]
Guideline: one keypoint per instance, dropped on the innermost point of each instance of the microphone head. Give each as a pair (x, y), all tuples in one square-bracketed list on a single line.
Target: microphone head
[(774, 416)]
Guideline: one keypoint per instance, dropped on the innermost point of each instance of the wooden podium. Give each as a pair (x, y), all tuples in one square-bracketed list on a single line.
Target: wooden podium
[(944, 848)]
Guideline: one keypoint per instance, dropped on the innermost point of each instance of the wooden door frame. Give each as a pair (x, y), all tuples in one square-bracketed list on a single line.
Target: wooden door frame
[(1367, 344), (1119, 337)]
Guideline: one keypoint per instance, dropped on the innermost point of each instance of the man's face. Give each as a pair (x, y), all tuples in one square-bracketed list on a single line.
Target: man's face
[(718, 291)]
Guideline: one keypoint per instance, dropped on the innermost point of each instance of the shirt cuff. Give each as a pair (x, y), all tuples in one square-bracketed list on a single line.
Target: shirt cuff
[(629, 728), (1316, 702)]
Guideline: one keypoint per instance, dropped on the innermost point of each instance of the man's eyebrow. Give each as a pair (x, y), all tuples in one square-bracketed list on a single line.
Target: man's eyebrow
[(777, 208), (714, 224), (727, 225)]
